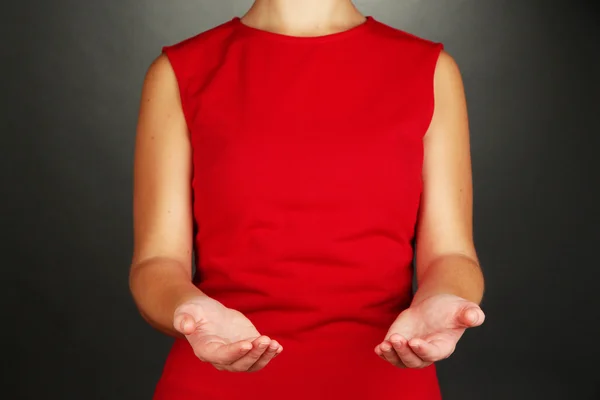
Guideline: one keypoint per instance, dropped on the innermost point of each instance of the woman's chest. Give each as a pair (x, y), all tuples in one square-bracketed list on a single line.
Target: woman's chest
[(310, 135)]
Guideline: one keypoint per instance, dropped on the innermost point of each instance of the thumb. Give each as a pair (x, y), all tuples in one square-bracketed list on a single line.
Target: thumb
[(184, 323), (470, 317)]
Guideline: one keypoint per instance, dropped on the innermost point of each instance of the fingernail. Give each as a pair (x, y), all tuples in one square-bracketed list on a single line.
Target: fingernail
[(385, 347), (262, 345)]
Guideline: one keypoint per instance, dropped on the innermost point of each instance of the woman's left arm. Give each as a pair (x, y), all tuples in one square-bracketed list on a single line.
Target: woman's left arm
[(446, 260), (449, 278)]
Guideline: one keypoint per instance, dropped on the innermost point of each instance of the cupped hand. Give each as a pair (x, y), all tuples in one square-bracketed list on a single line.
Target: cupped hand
[(223, 337), (428, 331)]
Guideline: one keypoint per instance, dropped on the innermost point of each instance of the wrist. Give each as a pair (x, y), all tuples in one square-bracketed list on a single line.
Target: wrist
[(184, 293)]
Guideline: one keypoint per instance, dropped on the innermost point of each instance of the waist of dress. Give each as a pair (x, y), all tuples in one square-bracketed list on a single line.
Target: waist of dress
[(313, 318)]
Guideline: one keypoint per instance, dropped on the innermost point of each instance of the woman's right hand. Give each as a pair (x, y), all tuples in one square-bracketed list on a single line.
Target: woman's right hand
[(222, 336)]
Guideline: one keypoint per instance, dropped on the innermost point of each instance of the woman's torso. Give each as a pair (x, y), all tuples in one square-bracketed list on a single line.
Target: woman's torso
[(307, 158)]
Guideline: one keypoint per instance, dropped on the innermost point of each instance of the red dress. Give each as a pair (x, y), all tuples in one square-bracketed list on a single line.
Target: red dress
[(307, 157)]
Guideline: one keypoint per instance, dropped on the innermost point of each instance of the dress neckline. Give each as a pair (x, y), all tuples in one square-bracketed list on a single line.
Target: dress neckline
[(241, 26)]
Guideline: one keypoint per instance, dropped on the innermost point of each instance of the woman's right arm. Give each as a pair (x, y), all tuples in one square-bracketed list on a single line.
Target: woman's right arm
[(161, 270)]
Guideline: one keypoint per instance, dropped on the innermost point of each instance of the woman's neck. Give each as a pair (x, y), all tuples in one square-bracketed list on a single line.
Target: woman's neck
[(303, 18)]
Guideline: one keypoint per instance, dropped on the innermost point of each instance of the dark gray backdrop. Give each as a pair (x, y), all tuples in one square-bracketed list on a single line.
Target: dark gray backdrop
[(72, 74)]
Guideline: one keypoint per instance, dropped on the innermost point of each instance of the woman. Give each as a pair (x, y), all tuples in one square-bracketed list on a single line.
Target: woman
[(300, 150)]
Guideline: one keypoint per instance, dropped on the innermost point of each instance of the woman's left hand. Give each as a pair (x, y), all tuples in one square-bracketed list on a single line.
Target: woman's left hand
[(428, 331)]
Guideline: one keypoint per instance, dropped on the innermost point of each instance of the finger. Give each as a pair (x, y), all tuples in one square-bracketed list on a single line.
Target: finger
[(406, 355), (470, 317), (279, 350), (259, 346), (266, 357), (389, 354), (224, 354), (429, 352), (184, 323), (379, 352)]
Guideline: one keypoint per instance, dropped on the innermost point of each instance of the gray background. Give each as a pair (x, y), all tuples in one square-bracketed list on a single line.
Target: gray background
[(71, 78)]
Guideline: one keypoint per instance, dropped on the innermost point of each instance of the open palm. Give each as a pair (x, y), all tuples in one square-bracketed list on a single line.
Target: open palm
[(429, 331), (223, 337)]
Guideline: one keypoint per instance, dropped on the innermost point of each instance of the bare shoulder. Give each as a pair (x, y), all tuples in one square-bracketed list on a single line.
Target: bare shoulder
[(450, 108), (446, 62), (160, 74), (447, 73), (160, 98), (160, 64)]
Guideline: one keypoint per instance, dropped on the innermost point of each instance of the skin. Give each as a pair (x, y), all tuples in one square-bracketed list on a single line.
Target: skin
[(450, 280), (161, 270)]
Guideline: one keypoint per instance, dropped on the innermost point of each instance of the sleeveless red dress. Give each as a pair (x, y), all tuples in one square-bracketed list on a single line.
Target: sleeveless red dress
[(307, 156)]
